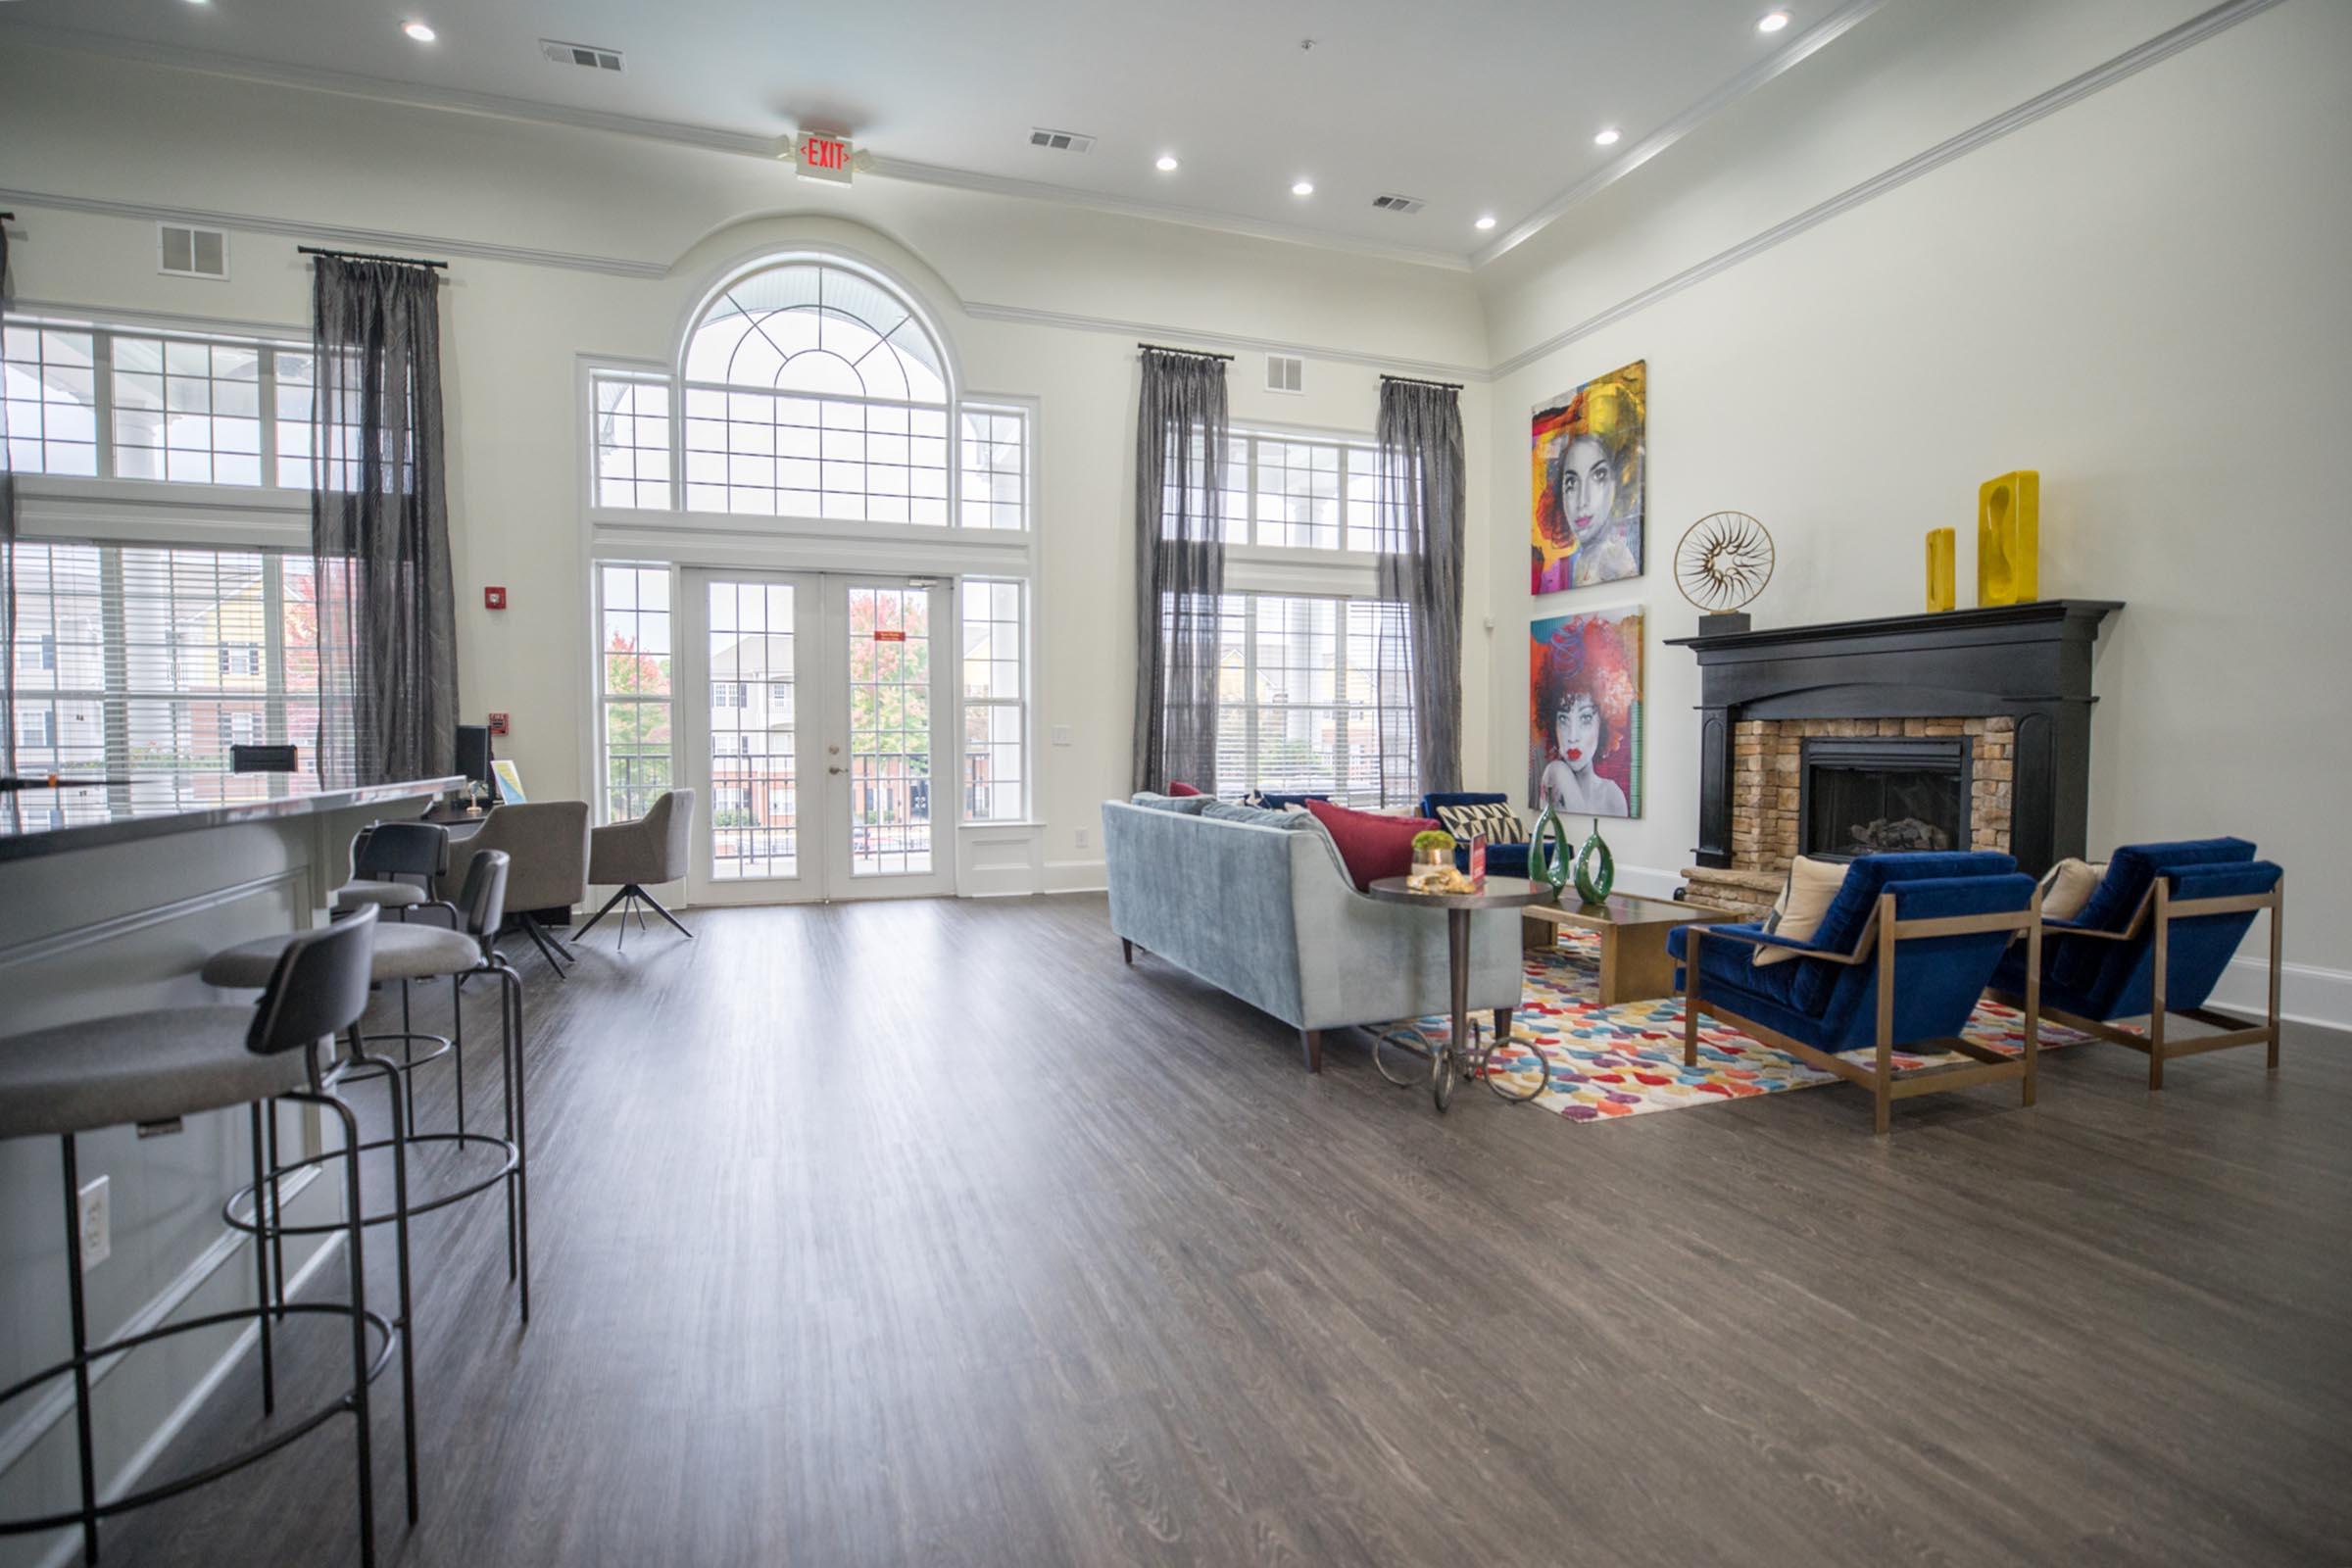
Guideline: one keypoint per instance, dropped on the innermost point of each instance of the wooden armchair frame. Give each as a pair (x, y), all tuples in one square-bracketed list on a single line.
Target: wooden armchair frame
[(2158, 1044), (1879, 940)]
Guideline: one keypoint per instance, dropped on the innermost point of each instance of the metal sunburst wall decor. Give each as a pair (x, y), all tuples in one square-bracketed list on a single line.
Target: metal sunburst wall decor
[(1724, 560)]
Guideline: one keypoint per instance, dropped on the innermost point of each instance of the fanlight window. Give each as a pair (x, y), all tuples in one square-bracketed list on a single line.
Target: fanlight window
[(812, 391), (807, 327)]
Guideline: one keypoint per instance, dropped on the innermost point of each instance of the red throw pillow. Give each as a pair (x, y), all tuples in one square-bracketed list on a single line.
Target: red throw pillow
[(1179, 789), (1371, 846)]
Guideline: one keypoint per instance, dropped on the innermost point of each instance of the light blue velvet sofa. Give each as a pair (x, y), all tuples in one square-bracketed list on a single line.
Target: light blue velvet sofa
[(1268, 914)]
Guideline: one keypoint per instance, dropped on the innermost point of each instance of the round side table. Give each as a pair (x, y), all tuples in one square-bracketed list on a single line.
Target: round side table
[(1457, 1059)]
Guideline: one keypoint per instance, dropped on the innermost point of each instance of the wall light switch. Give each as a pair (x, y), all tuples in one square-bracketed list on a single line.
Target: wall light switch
[(95, 1214), (1062, 734), (1082, 838)]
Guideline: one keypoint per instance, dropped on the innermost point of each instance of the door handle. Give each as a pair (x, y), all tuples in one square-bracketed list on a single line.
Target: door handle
[(835, 768)]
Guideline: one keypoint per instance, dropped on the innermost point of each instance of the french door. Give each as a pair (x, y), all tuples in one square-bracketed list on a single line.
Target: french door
[(812, 720)]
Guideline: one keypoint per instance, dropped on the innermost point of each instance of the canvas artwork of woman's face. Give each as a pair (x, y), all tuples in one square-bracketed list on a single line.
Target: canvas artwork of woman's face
[(1587, 456)]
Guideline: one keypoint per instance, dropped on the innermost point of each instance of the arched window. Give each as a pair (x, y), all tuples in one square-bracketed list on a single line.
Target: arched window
[(815, 391)]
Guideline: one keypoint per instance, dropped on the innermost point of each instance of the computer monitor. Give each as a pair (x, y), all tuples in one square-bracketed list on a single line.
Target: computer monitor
[(474, 754)]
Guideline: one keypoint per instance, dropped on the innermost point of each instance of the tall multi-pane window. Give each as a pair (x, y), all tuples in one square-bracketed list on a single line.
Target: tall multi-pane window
[(632, 441), (996, 709), (633, 675), (106, 403), (996, 466), (1314, 696), (138, 668), (1301, 492)]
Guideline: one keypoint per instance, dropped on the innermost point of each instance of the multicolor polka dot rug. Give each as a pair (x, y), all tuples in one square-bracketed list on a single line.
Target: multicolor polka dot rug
[(1627, 1061)]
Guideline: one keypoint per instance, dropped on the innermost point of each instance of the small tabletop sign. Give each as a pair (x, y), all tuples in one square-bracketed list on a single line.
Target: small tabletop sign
[(1478, 862)]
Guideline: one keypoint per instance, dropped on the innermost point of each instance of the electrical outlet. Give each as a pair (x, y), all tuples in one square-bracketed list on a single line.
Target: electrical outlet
[(1082, 838), (95, 1214)]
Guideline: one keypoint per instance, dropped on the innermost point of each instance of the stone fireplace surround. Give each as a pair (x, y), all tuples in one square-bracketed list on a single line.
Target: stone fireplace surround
[(2014, 680)]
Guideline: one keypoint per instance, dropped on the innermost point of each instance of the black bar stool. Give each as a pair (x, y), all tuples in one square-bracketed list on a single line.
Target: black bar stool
[(415, 952), (157, 1067)]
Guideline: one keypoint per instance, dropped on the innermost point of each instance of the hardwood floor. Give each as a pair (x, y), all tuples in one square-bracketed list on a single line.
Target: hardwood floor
[(930, 1233)]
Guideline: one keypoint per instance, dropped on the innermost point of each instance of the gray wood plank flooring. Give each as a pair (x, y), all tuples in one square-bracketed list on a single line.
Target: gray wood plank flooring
[(929, 1233)]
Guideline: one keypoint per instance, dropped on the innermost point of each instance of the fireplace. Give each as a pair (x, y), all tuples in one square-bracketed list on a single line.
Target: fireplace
[(1795, 726), (1862, 797)]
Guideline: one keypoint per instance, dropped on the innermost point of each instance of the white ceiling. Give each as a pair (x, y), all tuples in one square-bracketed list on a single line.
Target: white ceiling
[(1476, 108)]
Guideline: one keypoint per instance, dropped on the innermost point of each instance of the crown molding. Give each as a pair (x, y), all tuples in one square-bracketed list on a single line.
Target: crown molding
[(372, 239), (1230, 342), (2196, 30), (1806, 44), (380, 89)]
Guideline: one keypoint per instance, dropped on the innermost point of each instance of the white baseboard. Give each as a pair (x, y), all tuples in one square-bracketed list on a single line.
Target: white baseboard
[(2307, 993), (1077, 877)]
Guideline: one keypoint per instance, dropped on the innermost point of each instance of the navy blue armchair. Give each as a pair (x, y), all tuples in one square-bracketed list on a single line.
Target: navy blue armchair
[(1898, 961), (2152, 942), (1502, 860)]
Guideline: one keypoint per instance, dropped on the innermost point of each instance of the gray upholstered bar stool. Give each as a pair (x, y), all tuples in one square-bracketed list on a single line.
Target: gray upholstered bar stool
[(153, 1068), (415, 952), (384, 856)]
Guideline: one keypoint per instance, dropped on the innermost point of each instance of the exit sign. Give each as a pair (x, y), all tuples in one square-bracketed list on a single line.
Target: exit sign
[(823, 157)]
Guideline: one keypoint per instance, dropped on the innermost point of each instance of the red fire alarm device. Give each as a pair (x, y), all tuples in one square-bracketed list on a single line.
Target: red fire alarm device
[(498, 723), (493, 599)]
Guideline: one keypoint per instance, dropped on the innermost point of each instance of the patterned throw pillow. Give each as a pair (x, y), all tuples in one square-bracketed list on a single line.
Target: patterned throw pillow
[(1495, 818)]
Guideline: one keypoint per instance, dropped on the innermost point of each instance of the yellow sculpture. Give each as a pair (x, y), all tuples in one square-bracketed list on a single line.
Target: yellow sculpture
[(1942, 592), (2009, 539)]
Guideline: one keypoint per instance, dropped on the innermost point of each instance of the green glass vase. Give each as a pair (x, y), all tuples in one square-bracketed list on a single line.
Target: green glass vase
[(1550, 869), (1593, 883)]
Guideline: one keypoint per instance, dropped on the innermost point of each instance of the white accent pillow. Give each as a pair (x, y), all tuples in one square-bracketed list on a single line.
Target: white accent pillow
[(1804, 899)]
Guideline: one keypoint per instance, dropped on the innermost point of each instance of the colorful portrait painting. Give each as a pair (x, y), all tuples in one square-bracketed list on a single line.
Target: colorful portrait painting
[(1584, 713), (1585, 450)]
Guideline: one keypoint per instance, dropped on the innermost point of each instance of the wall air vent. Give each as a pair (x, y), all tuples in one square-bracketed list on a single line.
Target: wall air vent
[(1398, 204), (1061, 141), (185, 252), (1286, 373), (586, 56)]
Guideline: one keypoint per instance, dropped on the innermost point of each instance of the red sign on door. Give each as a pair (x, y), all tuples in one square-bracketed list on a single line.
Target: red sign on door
[(890, 636)]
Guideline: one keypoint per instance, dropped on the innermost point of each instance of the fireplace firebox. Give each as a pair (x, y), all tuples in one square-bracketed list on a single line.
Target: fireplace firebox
[(1864, 797)]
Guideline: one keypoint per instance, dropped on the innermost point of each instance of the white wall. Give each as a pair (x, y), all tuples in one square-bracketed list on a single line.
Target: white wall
[(2140, 295), (592, 207)]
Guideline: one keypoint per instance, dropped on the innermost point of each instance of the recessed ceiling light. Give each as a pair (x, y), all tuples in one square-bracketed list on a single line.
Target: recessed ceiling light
[(1304, 187), (1485, 221), (1773, 22), (1166, 163), (1608, 138), (421, 31)]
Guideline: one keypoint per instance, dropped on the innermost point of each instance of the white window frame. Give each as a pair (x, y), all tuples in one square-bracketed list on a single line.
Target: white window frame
[(1019, 703)]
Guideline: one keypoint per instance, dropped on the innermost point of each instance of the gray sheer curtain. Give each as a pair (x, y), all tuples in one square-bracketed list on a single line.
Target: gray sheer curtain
[(380, 525), (1180, 439), (1421, 567), (8, 572)]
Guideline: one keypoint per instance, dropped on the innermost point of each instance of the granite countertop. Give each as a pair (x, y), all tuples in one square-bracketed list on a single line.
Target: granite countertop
[(19, 842)]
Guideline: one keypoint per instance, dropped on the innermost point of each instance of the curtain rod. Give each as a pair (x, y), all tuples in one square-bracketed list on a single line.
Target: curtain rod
[(1198, 354), (365, 255), (1414, 380)]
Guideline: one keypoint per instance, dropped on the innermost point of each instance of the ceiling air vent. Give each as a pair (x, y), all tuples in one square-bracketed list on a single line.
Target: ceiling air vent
[(1398, 204), (186, 252), (1286, 373), (1061, 141), (584, 55)]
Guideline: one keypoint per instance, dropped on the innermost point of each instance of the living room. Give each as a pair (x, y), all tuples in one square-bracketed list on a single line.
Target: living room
[(1777, 454)]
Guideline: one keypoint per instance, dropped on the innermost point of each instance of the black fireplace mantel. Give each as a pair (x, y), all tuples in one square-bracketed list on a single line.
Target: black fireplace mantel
[(2030, 662)]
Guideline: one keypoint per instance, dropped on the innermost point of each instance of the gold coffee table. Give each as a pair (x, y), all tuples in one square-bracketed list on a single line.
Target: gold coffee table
[(1634, 963)]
